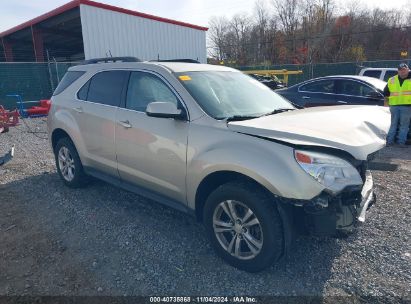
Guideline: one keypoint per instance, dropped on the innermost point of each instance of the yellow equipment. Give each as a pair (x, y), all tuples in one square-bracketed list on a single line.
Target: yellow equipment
[(270, 73)]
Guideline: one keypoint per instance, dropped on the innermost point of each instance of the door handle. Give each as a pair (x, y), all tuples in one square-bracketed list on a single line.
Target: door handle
[(340, 101), (78, 110), (306, 97), (126, 124)]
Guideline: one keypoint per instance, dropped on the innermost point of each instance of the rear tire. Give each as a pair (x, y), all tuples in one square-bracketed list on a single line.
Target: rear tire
[(244, 226), (69, 165)]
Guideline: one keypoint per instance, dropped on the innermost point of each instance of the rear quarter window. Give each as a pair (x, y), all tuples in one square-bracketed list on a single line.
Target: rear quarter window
[(67, 80), (82, 94), (389, 74)]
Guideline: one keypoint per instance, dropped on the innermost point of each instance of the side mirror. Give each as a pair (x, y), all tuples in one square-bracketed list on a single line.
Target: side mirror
[(164, 110), (374, 95)]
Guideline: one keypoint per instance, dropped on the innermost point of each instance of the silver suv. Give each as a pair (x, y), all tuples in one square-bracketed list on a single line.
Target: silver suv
[(217, 144)]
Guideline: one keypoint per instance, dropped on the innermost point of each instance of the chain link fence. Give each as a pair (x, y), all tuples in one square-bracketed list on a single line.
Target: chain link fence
[(33, 81), (36, 81), (326, 69)]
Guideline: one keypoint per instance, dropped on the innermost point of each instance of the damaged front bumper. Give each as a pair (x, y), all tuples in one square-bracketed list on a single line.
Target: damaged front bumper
[(329, 214), (6, 158), (367, 195)]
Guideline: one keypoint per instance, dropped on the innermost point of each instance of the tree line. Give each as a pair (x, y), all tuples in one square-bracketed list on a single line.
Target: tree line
[(310, 31)]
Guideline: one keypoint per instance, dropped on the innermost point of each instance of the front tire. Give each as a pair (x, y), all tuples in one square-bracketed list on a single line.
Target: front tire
[(69, 165), (244, 226)]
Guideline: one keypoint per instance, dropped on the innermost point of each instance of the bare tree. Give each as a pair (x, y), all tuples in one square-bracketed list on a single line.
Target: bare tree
[(262, 21), (240, 26), (289, 16), (310, 31), (217, 32)]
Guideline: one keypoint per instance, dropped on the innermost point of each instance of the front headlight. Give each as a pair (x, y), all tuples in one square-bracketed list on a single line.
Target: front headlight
[(332, 172)]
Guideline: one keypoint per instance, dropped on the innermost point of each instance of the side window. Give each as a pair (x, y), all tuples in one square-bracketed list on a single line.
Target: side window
[(106, 87), (322, 86), (67, 80), (144, 88), (354, 88), (82, 94), (372, 73), (389, 74)]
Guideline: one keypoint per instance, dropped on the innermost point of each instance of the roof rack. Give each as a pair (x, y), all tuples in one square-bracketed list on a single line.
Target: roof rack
[(111, 59), (177, 60)]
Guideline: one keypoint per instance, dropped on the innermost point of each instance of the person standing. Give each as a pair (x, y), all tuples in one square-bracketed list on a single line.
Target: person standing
[(397, 94)]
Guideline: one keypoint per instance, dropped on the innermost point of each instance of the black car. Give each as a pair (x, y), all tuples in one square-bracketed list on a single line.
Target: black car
[(336, 90), (270, 82)]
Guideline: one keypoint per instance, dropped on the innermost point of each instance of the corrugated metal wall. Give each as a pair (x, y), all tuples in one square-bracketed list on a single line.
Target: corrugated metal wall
[(121, 34)]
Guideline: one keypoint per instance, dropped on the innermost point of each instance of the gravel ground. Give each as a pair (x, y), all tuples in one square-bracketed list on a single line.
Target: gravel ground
[(105, 241)]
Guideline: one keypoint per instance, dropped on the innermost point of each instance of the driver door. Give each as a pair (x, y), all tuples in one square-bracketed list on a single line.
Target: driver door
[(357, 93), (151, 151)]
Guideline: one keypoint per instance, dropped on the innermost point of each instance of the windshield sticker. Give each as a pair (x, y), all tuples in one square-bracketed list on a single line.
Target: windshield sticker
[(184, 77)]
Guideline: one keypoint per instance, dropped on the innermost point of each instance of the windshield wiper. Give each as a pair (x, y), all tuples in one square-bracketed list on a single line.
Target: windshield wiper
[(246, 117), (276, 111), (240, 117)]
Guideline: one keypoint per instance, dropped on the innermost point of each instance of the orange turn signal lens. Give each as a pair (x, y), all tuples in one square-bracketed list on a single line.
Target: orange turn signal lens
[(303, 158)]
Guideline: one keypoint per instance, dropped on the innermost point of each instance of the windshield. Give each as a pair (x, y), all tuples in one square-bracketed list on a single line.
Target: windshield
[(224, 94)]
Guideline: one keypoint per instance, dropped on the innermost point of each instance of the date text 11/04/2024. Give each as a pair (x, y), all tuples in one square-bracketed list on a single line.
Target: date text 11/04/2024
[(238, 299)]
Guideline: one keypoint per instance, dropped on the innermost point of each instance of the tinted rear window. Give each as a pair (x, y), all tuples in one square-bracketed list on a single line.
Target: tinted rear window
[(67, 80), (106, 87)]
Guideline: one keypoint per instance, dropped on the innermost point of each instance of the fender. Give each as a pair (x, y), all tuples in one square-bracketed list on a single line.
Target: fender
[(270, 164)]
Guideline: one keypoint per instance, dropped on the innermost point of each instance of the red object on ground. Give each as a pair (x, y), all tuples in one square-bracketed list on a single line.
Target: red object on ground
[(45, 103), (43, 109), (8, 119)]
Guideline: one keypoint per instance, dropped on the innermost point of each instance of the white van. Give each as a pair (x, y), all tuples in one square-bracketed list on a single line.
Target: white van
[(380, 73)]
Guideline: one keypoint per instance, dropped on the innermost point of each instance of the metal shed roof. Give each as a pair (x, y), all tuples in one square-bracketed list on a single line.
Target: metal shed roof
[(77, 3)]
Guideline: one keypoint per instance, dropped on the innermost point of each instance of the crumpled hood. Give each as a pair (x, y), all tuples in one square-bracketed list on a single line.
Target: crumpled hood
[(358, 130)]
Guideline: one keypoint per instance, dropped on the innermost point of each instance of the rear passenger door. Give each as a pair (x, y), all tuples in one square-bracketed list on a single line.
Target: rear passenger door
[(95, 113), (151, 151)]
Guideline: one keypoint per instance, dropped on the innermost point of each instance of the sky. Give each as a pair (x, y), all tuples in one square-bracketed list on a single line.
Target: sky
[(197, 12)]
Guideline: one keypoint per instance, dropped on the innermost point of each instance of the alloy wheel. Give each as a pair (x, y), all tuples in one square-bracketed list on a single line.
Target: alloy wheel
[(238, 229), (66, 164)]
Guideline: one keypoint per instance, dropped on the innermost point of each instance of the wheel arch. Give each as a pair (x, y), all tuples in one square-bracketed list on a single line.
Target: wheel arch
[(57, 135), (285, 211), (213, 181)]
